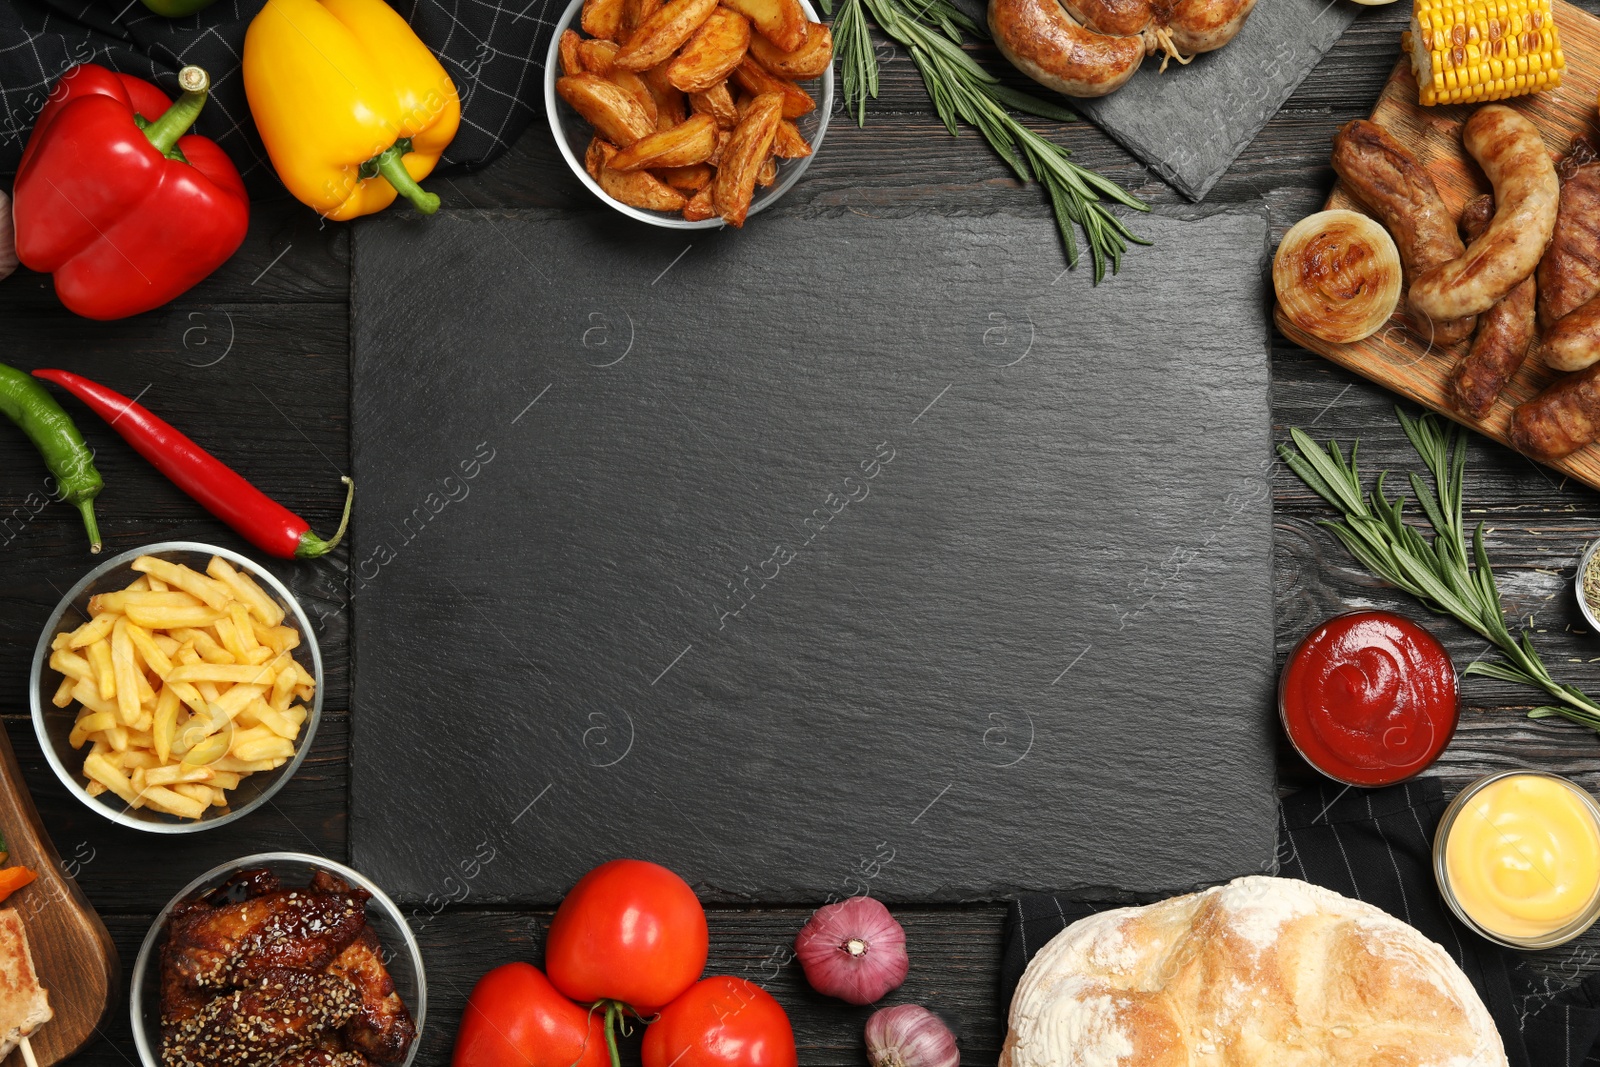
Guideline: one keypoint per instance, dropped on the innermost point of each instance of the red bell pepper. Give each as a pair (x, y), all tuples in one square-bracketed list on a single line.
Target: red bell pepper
[(114, 200)]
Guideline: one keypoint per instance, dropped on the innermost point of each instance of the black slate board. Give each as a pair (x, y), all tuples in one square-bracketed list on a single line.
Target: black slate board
[(1227, 95), (837, 554)]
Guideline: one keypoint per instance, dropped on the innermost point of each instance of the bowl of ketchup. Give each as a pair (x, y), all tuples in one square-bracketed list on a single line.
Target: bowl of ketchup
[(1369, 698)]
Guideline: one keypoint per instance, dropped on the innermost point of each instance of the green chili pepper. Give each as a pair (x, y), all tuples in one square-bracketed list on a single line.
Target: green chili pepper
[(176, 9), (26, 402)]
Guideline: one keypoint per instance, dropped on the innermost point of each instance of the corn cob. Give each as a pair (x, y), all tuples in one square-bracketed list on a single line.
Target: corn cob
[(1469, 51)]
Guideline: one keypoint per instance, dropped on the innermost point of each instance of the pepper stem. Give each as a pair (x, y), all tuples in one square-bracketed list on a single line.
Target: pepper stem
[(89, 524), (176, 120), (311, 546), (613, 1010), (389, 164)]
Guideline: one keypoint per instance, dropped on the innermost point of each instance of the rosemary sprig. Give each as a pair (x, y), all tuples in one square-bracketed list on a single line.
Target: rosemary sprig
[(932, 33), (1440, 574)]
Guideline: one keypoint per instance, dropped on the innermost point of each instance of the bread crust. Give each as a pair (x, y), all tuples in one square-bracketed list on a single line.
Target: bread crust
[(1262, 971)]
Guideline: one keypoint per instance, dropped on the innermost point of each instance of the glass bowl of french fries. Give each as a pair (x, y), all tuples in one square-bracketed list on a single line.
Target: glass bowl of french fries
[(176, 687), (681, 196), (398, 950)]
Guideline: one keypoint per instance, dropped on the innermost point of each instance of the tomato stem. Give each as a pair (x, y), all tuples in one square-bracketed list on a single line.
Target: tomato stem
[(613, 1010)]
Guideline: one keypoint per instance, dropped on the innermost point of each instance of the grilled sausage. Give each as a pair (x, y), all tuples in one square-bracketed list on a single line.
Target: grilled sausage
[(1569, 273), (1573, 343), (1504, 333), (1560, 420), (1390, 182), (1049, 46), (1526, 193), (1206, 25)]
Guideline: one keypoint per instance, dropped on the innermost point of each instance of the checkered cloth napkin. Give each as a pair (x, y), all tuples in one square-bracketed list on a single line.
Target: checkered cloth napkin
[(1377, 846), (492, 49)]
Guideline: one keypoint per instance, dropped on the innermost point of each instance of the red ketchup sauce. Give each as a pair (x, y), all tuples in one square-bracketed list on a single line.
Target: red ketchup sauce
[(1369, 698)]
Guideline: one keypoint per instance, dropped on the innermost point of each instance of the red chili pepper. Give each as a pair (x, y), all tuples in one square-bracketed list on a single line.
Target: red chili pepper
[(116, 202), (261, 520)]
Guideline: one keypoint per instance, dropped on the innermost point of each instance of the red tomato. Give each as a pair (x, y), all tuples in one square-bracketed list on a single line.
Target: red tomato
[(721, 1022), (629, 931), (516, 1018)]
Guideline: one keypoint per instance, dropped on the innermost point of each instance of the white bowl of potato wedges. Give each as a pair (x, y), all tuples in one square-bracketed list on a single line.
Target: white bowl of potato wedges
[(689, 114), (176, 687)]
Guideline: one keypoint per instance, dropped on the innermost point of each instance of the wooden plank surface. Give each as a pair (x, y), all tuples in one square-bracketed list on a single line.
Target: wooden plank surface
[(1394, 356), (287, 289)]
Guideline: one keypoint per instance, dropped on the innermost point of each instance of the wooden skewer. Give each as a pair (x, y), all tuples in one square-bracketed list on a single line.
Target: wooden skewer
[(27, 1052)]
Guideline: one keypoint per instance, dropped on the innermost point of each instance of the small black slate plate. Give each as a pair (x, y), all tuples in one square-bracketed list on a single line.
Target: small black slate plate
[(837, 554)]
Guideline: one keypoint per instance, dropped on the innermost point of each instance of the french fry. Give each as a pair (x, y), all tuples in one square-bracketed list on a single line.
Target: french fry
[(93, 630), (571, 61), (88, 694), (71, 664), (174, 773), (125, 673), (231, 673), (200, 793), (101, 770), (756, 80), (157, 661), (117, 603), (140, 584), (228, 637), (663, 33), (63, 695), (164, 723), (168, 645), (155, 585), (783, 22), (94, 789), (214, 593), (257, 748), (810, 60), (716, 48), (59, 641), (614, 113), (157, 617), (683, 145), (245, 588), (282, 689), (240, 614), (717, 102), (242, 766), (742, 158), (92, 723), (174, 803), (104, 672), (603, 18)]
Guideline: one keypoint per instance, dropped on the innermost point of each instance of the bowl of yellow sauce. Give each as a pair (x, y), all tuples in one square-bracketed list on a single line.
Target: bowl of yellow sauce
[(1517, 856)]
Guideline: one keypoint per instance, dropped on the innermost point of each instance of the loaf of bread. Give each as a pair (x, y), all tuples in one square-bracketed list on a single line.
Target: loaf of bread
[(1262, 972)]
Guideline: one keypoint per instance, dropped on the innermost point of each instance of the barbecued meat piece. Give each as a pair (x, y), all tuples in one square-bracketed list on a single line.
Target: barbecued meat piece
[(283, 1012), (383, 1029), (322, 1057), (1569, 273), (216, 947)]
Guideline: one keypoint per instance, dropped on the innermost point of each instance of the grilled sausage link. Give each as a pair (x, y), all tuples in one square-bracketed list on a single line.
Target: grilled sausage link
[(1206, 25), (1504, 333), (1573, 343), (1526, 194), (1560, 420), (1392, 184), (1569, 273), (1049, 46)]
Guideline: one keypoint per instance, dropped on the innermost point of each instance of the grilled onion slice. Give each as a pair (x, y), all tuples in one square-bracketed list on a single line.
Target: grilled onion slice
[(1337, 274)]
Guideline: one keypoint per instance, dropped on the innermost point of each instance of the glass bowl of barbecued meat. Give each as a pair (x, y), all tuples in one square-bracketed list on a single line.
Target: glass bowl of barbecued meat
[(278, 959)]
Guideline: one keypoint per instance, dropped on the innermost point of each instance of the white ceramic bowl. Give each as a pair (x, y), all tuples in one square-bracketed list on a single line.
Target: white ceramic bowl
[(53, 724), (401, 954), (572, 134)]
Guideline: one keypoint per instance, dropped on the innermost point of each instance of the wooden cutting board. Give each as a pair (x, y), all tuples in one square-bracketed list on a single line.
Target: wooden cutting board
[(72, 952), (1392, 357)]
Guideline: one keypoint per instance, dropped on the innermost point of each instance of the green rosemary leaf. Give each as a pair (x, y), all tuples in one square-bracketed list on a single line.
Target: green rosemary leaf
[(1440, 573)]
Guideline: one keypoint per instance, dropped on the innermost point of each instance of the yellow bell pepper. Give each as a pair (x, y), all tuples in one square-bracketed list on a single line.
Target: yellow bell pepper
[(351, 105)]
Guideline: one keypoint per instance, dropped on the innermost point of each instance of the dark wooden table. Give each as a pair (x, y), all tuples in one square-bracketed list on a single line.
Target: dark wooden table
[(254, 363)]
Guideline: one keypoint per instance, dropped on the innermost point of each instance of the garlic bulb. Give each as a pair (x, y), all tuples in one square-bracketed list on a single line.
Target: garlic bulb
[(908, 1035), (1337, 274), (8, 239), (853, 950)]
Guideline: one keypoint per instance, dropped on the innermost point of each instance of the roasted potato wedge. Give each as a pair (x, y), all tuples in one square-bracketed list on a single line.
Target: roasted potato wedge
[(690, 179), (672, 106), (747, 149), (637, 188), (614, 112), (634, 13), (594, 159), (603, 18), (756, 80), (717, 102), (690, 142), (768, 172), (790, 143), (571, 59), (700, 207), (598, 57), (783, 22), (807, 61), (663, 33), (709, 57), (723, 136), (635, 87)]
